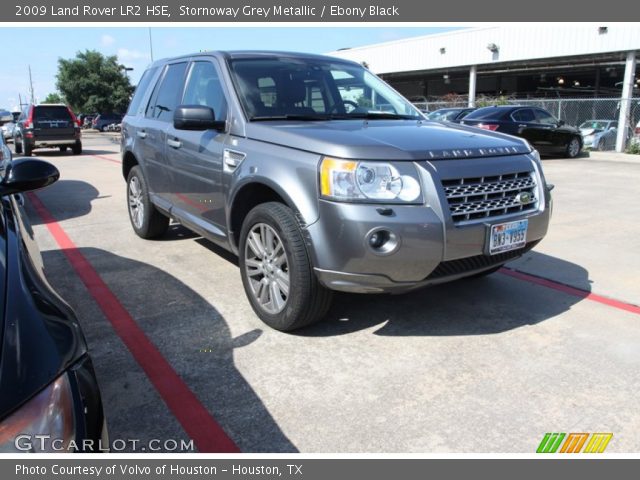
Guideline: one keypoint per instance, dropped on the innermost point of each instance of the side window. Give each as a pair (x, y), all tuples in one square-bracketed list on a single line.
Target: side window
[(204, 88), (524, 115), (546, 118), (169, 91), (141, 90)]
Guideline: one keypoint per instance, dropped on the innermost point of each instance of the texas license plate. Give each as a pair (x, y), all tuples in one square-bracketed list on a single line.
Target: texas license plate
[(508, 236)]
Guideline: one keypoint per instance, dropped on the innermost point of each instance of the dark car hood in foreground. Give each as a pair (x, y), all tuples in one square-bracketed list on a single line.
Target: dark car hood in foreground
[(40, 335), (386, 139)]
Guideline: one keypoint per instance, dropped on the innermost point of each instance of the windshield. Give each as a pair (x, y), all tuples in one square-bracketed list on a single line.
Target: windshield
[(594, 124), (312, 89)]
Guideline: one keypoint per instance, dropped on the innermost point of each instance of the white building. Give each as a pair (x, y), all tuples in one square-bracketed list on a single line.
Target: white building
[(517, 60)]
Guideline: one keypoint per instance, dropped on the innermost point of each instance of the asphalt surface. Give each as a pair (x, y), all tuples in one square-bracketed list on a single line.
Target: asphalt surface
[(482, 365)]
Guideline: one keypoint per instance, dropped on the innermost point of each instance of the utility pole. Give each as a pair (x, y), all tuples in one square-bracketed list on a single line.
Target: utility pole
[(31, 85), (150, 44)]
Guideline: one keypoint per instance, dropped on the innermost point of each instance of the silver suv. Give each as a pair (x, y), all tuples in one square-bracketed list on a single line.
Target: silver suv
[(321, 177)]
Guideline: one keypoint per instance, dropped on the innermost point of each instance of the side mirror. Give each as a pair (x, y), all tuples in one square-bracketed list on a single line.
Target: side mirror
[(27, 174), (560, 123), (196, 117)]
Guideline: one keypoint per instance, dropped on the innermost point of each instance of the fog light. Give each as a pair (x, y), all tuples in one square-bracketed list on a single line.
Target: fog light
[(381, 241)]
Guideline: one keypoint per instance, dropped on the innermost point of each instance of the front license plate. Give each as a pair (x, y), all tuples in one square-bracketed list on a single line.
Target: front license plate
[(508, 236)]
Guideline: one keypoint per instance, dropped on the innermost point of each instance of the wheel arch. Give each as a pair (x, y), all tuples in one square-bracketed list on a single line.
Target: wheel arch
[(250, 195)]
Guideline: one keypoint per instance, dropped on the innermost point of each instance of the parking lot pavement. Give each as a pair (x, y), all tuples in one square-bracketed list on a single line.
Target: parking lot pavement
[(482, 365)]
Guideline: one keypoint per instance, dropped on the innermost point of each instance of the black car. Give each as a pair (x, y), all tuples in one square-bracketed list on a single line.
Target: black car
[(454, 115), (49, 396), (543, 131), (47, 125), (102, 121)]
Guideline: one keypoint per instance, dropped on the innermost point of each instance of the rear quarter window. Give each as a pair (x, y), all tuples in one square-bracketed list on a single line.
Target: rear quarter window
[(141, 90)]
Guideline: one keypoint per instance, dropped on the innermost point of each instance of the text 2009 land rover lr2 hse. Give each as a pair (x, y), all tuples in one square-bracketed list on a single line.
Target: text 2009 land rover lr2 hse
[(321, 177)]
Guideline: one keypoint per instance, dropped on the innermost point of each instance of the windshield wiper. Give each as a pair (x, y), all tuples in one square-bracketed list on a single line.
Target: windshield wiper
[(290, 116), (373, 115)]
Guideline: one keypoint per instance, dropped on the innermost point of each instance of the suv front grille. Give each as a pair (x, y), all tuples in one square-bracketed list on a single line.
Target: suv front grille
[(483, 197)]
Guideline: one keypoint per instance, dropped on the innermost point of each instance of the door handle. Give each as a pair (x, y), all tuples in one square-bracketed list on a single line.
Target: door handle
[(174, 143), (141, 134), (522, 126)]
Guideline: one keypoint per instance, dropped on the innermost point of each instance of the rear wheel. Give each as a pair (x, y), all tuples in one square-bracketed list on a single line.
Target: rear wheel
[(573, 148), (276, 272), (18, 145), (28, 150), (77, 148), (146, 220)]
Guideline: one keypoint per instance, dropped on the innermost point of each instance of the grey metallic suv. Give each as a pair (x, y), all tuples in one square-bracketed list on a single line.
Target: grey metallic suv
[(321, 177)]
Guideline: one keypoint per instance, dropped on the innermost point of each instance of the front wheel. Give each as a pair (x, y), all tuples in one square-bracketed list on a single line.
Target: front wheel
[(146, 220), (573, 148), (277, 274)]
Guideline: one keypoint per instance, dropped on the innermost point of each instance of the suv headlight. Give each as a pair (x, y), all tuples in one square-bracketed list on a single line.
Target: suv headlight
[(48, 415), (369, 181)]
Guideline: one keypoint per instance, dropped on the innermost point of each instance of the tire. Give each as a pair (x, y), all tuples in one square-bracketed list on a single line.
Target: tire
[(17, 146), (573, 148), (63, 148), (305, 301), (145, 219), (28, 150), (77, 148)]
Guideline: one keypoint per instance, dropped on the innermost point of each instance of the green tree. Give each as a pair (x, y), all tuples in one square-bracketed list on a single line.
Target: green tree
[(54, 97), (92, 82)]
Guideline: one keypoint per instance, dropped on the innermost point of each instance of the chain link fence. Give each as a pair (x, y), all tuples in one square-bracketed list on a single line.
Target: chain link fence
[(574, 111)]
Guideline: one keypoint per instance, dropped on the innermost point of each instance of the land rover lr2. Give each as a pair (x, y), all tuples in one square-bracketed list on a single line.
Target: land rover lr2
[(321, 177)]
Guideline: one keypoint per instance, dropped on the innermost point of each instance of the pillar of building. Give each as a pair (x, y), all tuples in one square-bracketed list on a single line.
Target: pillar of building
[(625, 101), (473, 73)]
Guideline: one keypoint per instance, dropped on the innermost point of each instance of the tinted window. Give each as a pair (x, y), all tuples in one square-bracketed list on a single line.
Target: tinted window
[(546, 117), (51, 113), (272, 87), (489, 113), (204, 88), (523, 115), (168, 94), (141, 89)]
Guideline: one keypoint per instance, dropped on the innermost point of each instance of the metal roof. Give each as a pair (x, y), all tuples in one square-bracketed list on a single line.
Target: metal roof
[(494, 46)]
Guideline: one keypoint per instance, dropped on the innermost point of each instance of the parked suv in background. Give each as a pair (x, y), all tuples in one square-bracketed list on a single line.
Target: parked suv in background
[(47, 125), (102, 121), (321, 177), (542, 130)]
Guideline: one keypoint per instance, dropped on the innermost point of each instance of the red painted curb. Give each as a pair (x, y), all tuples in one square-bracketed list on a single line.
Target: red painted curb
[(196, 420)]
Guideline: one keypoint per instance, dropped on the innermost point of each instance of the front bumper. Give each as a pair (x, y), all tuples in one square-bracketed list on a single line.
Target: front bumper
[(431, 248)]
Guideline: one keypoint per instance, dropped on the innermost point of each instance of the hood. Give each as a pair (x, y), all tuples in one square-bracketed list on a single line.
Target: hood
[(589, 131), (387, 139)]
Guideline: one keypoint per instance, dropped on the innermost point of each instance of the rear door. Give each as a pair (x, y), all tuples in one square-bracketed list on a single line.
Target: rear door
[(556, 137), (529, 128), (152, 133), (195, 158), (53, 122)]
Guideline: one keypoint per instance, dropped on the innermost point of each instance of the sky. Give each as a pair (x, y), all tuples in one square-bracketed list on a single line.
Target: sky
[(40, 47)]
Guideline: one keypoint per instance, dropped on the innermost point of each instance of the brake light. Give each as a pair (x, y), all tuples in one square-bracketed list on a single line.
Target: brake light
[(28, 123), (638, 130), (488, 126), (73, 117)]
